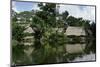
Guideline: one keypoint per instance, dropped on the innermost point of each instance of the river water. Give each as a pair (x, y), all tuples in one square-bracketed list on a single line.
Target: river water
[(88, 57)]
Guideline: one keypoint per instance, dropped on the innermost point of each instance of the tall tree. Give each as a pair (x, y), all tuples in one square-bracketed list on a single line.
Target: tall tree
[(65, 15), (47, 40)]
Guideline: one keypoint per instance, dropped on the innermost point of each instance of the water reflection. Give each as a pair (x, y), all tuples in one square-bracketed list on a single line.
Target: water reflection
[(82, 52), (75, 50), (87, 57)]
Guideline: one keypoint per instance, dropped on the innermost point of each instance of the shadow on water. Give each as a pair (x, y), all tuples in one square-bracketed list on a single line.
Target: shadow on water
[(89, 52), (71, 52)]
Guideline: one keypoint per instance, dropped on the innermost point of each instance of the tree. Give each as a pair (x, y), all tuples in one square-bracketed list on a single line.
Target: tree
[(18, 54), (38, 27), (17, 32), (91, 39), (48, 44), (65, 15), (48, 14)]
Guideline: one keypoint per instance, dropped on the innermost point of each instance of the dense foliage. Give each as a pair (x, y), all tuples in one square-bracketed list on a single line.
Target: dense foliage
[(49, 45)]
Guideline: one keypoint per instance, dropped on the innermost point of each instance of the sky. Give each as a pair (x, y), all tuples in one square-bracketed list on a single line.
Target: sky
[(24, 6), (86, 12)]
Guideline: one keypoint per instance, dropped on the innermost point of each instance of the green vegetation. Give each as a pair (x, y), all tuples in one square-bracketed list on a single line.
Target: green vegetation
[(49, 44)]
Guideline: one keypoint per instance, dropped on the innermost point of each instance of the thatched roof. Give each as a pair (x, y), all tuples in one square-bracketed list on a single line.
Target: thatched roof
[(75, 31), (29, 30), (75, 48), (70, 30)]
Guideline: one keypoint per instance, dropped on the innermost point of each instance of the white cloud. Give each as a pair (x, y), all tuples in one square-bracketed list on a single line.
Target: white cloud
[(35, 6), (86, 12), (14, 7)]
